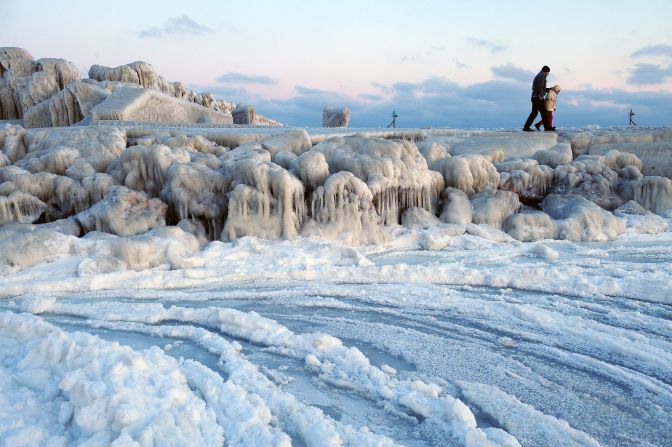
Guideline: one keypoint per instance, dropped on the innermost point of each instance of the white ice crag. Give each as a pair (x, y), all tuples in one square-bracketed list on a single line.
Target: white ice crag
[(654, 193), (123, 212), (493, 207), (640, 220), (456, 208), (605, 180), (527, 178), (415, 217), (335, 117), (59, 388), (11, 144), (469, 173), (394, 171), (342, 210), (311, 168), (18, 206), (433, 153), (580, 219), (554, 156), (532, 226)]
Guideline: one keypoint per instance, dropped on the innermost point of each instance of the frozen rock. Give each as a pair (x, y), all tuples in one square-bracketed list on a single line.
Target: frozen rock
[(469, 173), (20, 207), (531, 226), (311, 168), (640, 220), (582, 220), (243, 115), (284, 158), (456, 207), (526, 178), (554, 156), (124, 212), (194, 191), (415, 217), (582, 141), (394, 171), (265, 201), (342, 210), (98, 185), (335, 117), (432, 152), (654, 193), (493, 207), (25, 245), (12, 147), (143, 168), (592, 177), (295, 141), (655, 156)]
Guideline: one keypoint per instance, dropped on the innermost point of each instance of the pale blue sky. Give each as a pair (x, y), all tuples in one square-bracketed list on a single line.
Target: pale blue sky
[(434, 62)]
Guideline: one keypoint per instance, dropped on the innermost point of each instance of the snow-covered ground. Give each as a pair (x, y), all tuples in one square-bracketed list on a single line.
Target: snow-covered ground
[(305, 342)]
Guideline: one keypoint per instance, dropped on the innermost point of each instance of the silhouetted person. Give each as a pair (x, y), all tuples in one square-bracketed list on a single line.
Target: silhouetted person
[(538, 94)]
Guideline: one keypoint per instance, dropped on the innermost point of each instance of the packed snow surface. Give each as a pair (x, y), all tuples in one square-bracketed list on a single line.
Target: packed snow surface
[(162, 286)]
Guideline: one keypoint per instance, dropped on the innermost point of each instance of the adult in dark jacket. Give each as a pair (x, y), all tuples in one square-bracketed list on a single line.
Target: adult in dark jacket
[(538, 94)]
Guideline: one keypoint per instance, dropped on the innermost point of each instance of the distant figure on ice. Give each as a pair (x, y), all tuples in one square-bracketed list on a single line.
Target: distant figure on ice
[(538, 94), (549, 107)]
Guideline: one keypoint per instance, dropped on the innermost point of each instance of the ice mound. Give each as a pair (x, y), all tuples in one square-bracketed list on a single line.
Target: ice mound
[(491, 144), (456, 207), (469, 173), (195, 191), (656, 156), (266, 200), (63, 196), (294, 141), (432, 152), (601, 179), (123, 212), (532, 226), (394, 171), (640, 220), (526, 178), (100, 393), (143, 168), (654, 193), (11, 144), (311, 168), (283, 158), (554, 156), (342, 210), (26, 245), (415, 217), (97, 146), (580, 219), (333, 117), (493, 207), (18, 206)]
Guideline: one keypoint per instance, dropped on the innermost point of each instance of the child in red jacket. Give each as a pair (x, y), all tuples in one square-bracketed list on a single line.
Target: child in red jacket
[(550, 105)]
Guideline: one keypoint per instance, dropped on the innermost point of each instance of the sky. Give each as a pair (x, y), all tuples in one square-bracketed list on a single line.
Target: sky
[(435, 63)]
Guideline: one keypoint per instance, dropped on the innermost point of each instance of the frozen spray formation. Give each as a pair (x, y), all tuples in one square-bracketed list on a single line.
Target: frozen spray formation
[(128, 180)]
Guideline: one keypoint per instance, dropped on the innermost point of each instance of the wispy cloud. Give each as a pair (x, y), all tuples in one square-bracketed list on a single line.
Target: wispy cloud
[(510, 71), (650, 74), (182, 25), (482, 43), (241, 78), (654, 50)]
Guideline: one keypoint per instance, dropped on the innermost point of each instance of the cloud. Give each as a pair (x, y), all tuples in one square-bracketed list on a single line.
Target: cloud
[(441, 102), (182, 25), (510, 71), (649, 74), (241, 78), (654, 50), (494, 48)]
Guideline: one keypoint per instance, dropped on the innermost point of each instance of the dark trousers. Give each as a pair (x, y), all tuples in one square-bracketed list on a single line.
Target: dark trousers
[(537, 107)]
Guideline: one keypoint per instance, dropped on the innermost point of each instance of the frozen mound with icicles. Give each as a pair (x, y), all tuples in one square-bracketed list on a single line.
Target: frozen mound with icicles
[(352, 189), (394, 171)]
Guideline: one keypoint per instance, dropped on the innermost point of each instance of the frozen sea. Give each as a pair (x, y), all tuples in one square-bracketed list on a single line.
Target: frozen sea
[(312, 343)]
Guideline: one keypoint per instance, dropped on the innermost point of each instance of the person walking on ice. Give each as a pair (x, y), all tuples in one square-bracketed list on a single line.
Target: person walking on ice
[(549, 107), (538, 94)]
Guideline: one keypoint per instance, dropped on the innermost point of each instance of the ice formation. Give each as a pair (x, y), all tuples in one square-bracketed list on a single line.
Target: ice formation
[(554, 156), (456, 207), (526, 178), (493, 207), (580, 219), (654, 193), (333, 117), (394, 171), (433, 153), (415, 217), (532, 226), (311, 168), (243, 114), (469, 173)]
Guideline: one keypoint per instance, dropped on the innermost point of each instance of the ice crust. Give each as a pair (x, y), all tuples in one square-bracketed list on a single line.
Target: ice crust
[(278, 185)]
